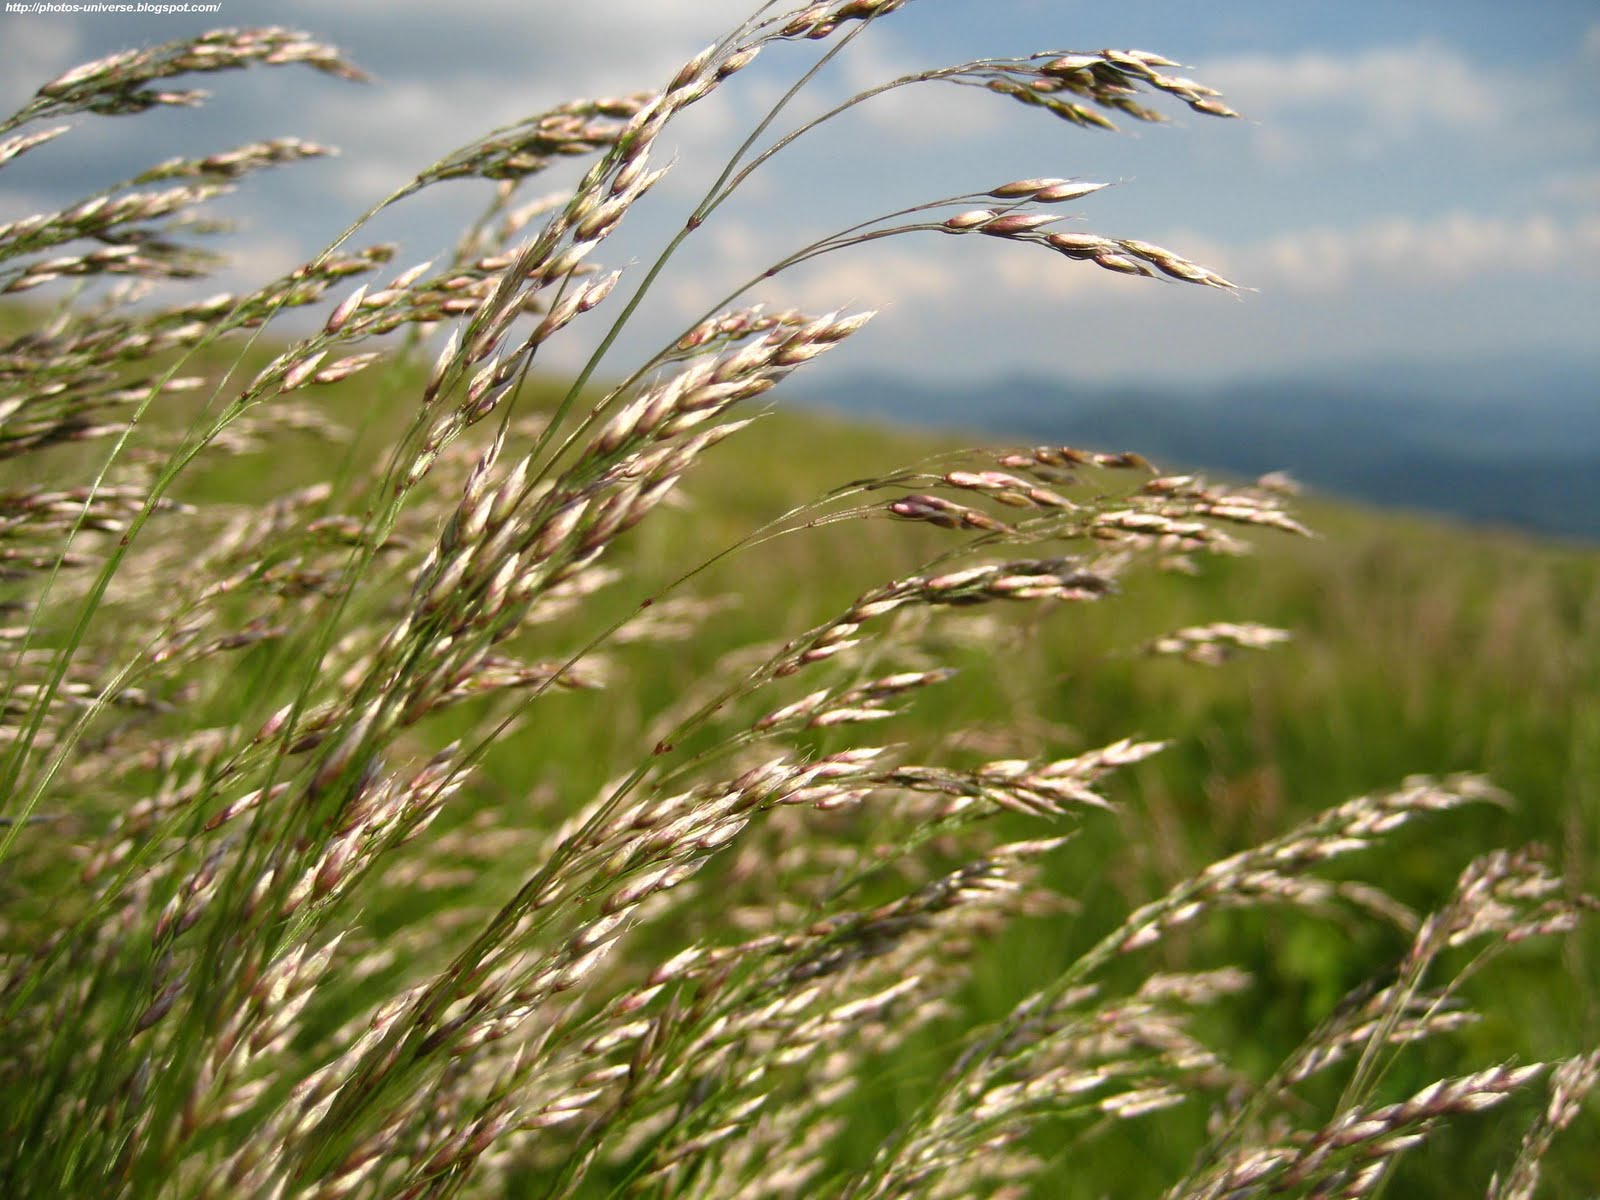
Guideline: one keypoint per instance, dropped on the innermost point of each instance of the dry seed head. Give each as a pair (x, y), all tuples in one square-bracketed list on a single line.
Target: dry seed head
[(558, 527), (346, 367), (1121, 264), (568, 260), (691, 69), (1064, 191), (302, 371), (1024, 188), (737, 61), (484, 341), (1177, 85), (382, 299), (1141, 1102), (598, 932), (340, 759), (407, 277), (23, 142), (1014, 223), (837, 330), (1135, 61), (510, 493), (1083, 245), (595, 292), (443, 363), (797, 351), (971, 219), (803, 22), (604, 217), (1149, 58), (1070, 64)]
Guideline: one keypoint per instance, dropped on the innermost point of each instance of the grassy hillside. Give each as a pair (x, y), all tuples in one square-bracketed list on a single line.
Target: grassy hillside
[(1418, 646), (416, 782)]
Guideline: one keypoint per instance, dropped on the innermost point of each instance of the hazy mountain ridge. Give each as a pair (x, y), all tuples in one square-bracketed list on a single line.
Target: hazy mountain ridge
[(1513, 442)]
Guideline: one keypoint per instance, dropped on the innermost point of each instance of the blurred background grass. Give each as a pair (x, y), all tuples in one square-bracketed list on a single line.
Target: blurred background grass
[(1419, 646)]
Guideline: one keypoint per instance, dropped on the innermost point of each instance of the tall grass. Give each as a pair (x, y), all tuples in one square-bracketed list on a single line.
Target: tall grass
[(460, 816)]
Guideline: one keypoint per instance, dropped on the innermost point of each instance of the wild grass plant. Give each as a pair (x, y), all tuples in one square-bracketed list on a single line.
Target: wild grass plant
[(314, 887)]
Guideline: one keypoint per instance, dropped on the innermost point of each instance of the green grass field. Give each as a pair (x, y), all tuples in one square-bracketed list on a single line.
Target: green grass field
[(1418, 646), (421, 785)]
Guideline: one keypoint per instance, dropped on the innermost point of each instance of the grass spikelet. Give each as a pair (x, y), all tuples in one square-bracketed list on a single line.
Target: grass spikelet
[(422, 778)]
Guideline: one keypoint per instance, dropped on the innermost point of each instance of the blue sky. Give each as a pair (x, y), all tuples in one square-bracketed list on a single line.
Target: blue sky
[(1415, 181)]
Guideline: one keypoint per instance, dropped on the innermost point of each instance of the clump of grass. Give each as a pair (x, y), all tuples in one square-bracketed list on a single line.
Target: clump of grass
[(256, 939)]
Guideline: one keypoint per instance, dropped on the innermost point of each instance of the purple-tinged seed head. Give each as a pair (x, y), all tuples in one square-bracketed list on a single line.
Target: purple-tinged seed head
[(1014, 223), (1024, 187), (804, 22), (1079, 244), (691, 69), (302, 370), (1059, 192), (970, 219), (1121, 263), (737, 61), (341, 314), (409, 276)]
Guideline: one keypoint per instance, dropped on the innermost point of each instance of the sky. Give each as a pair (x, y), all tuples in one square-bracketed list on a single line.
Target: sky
[(1414, 181)]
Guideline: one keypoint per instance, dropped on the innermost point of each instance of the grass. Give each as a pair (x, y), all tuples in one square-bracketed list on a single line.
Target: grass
[(536, 787)]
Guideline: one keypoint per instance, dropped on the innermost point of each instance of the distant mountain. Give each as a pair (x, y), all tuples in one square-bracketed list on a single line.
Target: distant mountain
[(1514, 442)]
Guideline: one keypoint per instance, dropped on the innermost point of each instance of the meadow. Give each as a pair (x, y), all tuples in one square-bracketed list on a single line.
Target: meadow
[(425, 775)]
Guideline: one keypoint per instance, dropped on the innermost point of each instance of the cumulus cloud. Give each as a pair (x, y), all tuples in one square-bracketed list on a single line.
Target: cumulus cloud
[(885, 275), (1039, 274), (920, 113), (1436, 127), (1577, 187), (1363, 103), (28, 42), (885, 278), (487, 63), (518, 48), (1437, 253), (1422, 83), (1387, 253)]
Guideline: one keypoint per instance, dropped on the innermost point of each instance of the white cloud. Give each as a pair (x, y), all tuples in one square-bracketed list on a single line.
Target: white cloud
[(1437, 253), (884, 276), (1404, 86), (27, 42), (1312, 103), (1387, 254), (919, 113), (1577, 187), (1438, 127), (590, 49), (1041, 274), (878, 280), (17, 203), (253, 260)]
